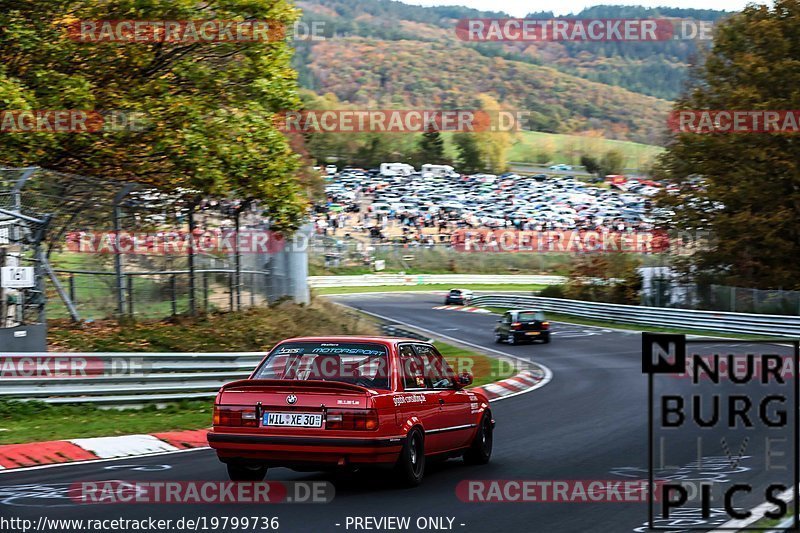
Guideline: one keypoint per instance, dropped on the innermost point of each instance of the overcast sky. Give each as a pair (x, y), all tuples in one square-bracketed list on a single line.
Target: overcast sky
[(520, 8)]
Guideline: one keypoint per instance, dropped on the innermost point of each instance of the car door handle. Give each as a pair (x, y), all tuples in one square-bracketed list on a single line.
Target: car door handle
[(441, 401)]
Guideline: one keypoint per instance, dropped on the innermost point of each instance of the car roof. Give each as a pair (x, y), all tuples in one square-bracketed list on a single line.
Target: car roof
[(524, 311), (354, 338)]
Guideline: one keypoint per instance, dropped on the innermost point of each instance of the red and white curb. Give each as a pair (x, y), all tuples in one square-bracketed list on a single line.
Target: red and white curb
[(39, 454), (13, 456), (521, 383), (464, 308)]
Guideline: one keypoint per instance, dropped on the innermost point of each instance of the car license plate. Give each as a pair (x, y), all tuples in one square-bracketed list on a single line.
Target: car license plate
[(532, 333), (302, 420)]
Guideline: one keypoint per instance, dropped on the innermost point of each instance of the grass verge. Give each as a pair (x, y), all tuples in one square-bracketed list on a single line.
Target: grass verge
[(429, 287), (37, 421)]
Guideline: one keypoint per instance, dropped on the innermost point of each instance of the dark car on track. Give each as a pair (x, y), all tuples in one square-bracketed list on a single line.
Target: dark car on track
[(319, 403), (522, 325), (458, 297)]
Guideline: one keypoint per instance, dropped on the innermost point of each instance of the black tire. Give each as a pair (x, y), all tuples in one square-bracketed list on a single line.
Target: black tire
[(410, 467), (244, 472), (480, 451), (511, 339), (546, 339)]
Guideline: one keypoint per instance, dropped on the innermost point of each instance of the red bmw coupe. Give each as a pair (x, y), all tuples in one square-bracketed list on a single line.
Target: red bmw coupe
[(318, 403)]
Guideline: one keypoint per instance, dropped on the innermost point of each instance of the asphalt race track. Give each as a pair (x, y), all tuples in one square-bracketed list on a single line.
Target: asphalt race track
[(589, 422)]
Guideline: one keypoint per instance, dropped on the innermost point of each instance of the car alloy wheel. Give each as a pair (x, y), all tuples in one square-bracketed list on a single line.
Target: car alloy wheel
[(511, 339), (480, 451), (411, 464)]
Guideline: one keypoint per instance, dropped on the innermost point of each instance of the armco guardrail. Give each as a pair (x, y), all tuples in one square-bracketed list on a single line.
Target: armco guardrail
[(767, 325), (129, 378), (120, 378), (377, 280)]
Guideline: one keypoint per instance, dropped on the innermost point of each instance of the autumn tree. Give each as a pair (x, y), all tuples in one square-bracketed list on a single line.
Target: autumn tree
[(743, 187), (493, 142), (205, 108)]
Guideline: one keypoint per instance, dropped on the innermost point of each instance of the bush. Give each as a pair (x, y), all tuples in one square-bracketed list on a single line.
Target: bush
[(552, 291)]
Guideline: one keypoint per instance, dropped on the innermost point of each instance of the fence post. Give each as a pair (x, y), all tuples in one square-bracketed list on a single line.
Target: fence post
[(237, 258), (205, 291), (252, 290), (130, 296), (174, 290), (116, 215), (72, 289), (733, 299), (192, 251), (230, 289)]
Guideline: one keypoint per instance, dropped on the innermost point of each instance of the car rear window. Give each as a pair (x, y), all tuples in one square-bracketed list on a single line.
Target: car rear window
[(364, 364), (455, 292), (530, 316)]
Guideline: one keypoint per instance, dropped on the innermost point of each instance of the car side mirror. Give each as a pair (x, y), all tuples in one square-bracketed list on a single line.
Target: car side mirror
[(465, 379)]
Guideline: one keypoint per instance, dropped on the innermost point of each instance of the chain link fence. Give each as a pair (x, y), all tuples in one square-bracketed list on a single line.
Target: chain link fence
[(103, 248), (666, 292)]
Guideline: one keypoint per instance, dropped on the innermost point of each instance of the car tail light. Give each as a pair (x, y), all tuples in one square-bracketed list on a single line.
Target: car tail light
[(236, 416), (356, 419), (516, 324), (545, 325)]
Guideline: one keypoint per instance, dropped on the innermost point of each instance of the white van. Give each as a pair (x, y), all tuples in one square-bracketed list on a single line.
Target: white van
[(396, 169), (438, 171)]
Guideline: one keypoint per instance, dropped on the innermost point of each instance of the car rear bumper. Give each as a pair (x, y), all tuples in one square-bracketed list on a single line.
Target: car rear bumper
[(277, 449), (535, 335)]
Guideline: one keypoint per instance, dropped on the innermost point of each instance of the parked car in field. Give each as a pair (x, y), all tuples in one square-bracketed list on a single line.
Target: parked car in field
[(522, 325), (458, 297), (317, 403)]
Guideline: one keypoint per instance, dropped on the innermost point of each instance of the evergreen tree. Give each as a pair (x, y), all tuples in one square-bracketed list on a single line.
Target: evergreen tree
[(431, 147), (469, 156)]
